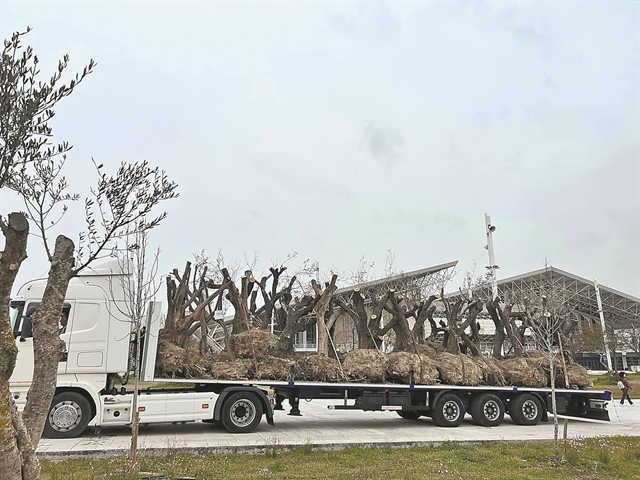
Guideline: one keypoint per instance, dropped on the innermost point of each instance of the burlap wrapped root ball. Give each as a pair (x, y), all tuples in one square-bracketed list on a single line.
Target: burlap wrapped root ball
[(318, 368), (524, 372), (177, 362), (365, 365), (234, 370), (458, 370), (399, 364), (492, 372), (430, 349), (171, 360), (578, 376), (558, 365), (272, 368), (252, 343)]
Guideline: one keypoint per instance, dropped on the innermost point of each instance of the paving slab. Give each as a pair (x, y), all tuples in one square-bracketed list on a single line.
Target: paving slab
[(325, 429)]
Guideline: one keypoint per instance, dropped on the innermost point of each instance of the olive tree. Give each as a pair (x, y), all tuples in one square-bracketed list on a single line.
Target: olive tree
[(119, 204)]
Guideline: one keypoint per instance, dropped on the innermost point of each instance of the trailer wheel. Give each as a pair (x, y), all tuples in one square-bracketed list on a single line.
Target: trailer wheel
[(241, 412), (408, 415), (487, 410), (525, 409), (449, 411), (68, 417)]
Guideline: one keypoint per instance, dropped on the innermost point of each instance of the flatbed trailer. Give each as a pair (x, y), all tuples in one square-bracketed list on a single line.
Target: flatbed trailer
[(241, 404)]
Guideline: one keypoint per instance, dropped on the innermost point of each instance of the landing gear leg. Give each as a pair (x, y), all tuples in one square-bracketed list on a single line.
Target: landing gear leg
[(278, 405), (295, 407)]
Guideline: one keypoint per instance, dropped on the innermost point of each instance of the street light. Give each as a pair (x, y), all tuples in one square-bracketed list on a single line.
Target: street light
[(492, 267)]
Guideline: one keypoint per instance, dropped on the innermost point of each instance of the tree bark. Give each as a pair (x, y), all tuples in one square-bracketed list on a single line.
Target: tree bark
[(238, 299), (423, 311), (321, 307), (48, 348), (367, 325), (498, 336), (404, 336), (293, 324), (15, 231)]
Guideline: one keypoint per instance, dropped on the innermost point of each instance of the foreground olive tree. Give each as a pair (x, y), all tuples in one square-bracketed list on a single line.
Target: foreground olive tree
[(31, 166)]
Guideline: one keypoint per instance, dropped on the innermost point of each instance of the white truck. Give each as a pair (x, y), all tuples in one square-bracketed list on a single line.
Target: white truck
[(99, 352)]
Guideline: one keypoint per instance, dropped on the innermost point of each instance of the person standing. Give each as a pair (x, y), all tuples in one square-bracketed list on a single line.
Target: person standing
[(625, 387)]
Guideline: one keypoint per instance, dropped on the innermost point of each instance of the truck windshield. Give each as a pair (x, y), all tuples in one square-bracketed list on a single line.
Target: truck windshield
[(15, 313)]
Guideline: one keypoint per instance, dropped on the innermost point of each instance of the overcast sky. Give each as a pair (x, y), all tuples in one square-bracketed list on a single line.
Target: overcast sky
[(342, 130)]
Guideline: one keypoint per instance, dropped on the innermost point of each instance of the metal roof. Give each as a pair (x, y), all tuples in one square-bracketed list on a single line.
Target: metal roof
[(572, 289), (430, 278)]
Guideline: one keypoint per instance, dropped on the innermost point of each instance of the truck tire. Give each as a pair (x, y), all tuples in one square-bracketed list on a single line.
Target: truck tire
[(449, 411), (408, 415), (68, 416), (525, 409), (241, 412), (487, 410)]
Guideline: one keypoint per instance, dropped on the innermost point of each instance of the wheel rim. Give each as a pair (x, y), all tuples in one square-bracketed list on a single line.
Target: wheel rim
[(450, 411), (65, 416), (491, 410), (530, 409), (243, 413)]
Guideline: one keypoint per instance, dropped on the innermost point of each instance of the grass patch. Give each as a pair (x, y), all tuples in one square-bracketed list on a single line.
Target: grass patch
[(586, 458)]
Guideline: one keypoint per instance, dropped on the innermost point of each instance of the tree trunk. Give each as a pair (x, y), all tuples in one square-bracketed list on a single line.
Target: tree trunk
[(321, 308), (10, 459), (293, 324), (423, 311), (239, 301), (404, 336), (12, 463), (496, 313), (471, 342), (48, 348)]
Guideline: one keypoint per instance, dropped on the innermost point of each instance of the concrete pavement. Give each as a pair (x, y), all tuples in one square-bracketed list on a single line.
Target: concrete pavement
[(325, 429)]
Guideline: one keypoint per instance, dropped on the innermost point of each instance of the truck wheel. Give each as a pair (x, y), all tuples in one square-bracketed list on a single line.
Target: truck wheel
[(241, 412), (525, 409), (449, 411), (487, 410), (68, 417), (408, 415)]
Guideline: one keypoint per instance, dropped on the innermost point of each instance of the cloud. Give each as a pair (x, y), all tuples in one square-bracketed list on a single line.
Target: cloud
[(383, 144)]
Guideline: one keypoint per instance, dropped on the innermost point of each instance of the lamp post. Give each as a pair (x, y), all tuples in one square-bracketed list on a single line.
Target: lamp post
[(492, 267), (604, 328)]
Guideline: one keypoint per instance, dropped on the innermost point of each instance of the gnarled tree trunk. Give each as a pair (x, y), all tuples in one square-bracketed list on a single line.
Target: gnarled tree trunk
[(294, 323), (404, 336), (17, 455), (321, 307), (47, 345), (367, 326)]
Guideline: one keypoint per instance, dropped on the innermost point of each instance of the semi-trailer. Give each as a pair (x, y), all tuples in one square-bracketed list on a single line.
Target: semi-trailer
[(99, 353)]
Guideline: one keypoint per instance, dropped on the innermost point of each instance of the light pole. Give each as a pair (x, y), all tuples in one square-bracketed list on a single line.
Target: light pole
[(492, 267), (604, 328)]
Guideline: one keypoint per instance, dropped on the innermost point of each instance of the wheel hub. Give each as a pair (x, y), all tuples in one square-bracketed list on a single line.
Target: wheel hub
[(491, 410), (451, 411), (529, 409), (65, 416), (242, 413)]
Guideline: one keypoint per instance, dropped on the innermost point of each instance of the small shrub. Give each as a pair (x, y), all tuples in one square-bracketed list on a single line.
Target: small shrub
[(573, 457)]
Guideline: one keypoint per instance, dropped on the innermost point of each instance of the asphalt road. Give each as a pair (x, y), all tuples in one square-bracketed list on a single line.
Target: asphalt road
[(326, 429)]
